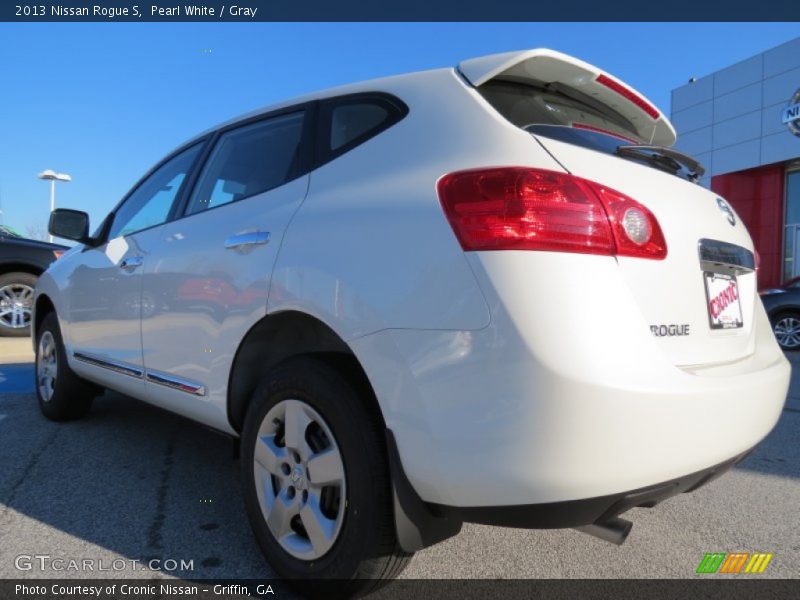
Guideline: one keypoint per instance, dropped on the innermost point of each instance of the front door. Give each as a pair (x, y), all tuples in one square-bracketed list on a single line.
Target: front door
[(104, 303), (214, 264)]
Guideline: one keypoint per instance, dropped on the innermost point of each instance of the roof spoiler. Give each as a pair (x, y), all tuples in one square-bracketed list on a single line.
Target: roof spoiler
[(543, 66)]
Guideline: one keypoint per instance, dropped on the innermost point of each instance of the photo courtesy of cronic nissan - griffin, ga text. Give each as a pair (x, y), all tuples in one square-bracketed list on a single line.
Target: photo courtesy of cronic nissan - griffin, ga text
[(489, 294)]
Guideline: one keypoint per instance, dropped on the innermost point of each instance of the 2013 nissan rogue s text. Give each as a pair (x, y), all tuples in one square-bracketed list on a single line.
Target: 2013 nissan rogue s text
[(486, 294)]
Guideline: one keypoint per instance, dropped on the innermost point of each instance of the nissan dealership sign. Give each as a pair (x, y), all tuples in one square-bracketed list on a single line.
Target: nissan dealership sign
[(791, 114)]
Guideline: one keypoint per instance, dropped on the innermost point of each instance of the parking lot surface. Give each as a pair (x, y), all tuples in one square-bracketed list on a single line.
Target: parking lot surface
[(132, 483)]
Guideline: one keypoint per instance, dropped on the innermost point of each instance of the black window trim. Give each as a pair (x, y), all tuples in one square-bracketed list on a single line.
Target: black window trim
[(397, 111), (313, 150)]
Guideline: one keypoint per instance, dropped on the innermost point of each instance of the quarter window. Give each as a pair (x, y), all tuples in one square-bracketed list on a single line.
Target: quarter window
[(149, 204), (250, 160), (348, 121), (352, 121)]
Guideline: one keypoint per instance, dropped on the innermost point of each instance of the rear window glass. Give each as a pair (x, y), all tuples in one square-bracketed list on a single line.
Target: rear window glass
[(527, 105), (581, 137), (561, 113)]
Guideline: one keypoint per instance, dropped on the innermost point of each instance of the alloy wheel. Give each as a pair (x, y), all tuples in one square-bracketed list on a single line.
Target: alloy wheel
[(787, 332), (16, 304), (300, 479), (46, 366)]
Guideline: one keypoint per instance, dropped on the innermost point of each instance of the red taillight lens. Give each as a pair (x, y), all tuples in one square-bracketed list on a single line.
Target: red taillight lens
[(518, 208), (58, 253), (629, 94), (524, 209)]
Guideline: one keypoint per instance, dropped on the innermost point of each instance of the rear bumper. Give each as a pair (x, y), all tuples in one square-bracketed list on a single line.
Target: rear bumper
[(575, 513), (561, 400)]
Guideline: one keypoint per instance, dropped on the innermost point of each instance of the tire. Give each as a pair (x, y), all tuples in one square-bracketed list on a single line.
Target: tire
[(786, 327), (16, 304), (62, 395), (364, 551)]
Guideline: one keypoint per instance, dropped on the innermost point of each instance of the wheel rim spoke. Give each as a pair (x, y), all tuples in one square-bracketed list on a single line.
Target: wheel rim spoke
[(320, 529), (325, 468), (269, 455), (296, 421), (280, 516)]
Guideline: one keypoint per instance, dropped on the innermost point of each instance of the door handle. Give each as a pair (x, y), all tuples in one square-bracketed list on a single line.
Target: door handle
[(130, 263), (252, 238)]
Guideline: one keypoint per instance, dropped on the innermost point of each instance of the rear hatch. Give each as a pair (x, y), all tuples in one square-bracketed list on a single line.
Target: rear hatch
[(698, 301)]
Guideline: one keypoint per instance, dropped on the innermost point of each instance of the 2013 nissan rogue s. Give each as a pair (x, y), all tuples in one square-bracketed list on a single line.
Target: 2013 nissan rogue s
[(491, 293)]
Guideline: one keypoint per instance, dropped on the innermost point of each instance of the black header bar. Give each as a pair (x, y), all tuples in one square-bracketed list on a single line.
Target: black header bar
[(402, 10)]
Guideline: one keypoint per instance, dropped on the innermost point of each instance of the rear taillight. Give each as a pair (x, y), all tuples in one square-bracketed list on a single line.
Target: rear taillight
[(58, 253), (518, 208), (636, 230)]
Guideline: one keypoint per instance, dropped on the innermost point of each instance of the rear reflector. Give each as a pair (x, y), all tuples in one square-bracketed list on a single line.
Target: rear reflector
[(629, 95), (518, 208)]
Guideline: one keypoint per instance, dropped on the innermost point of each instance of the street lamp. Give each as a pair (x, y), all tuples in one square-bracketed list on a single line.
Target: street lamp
[(52, 176)]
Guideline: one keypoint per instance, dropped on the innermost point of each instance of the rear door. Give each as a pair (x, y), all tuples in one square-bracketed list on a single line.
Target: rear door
[(699, 301), (212, 273), (690, 287)]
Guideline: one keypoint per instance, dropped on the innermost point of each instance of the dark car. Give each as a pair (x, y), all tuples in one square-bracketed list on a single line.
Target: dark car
[(21, 262), (783, 307)]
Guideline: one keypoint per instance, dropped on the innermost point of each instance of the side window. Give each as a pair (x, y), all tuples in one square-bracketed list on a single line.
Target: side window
[(150, 203), (349, 121), (250, 160), (352, 121)]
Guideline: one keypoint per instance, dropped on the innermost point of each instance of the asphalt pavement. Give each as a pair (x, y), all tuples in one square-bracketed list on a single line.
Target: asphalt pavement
[(132, 483)]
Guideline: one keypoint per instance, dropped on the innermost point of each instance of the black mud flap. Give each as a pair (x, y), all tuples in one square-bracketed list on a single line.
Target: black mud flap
[(417, 525)]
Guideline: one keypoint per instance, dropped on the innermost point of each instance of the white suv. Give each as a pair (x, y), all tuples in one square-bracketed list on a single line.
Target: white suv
[(487, 294)]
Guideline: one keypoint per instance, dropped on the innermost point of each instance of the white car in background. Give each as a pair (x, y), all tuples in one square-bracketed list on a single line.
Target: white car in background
[(489, 293)]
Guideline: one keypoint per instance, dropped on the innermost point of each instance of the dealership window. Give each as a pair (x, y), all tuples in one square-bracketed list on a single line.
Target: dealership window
[(791, 239)]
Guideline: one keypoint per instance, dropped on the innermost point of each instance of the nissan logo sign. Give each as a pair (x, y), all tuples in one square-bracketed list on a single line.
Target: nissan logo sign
[(791, 114)]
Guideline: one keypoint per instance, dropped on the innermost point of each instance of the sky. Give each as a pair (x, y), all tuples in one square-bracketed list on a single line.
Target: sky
[(103, 102)]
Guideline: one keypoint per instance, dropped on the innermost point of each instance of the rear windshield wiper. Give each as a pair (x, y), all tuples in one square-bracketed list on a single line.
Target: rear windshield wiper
[(666, 157)]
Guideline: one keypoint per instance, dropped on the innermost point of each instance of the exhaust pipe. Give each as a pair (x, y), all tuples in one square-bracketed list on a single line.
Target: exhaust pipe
[(614, 530)]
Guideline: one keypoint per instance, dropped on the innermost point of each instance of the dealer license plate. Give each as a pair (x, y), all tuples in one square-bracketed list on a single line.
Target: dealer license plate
[(722, 294)]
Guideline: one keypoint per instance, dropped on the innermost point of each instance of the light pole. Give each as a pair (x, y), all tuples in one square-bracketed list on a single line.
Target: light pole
[(52, 176)]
